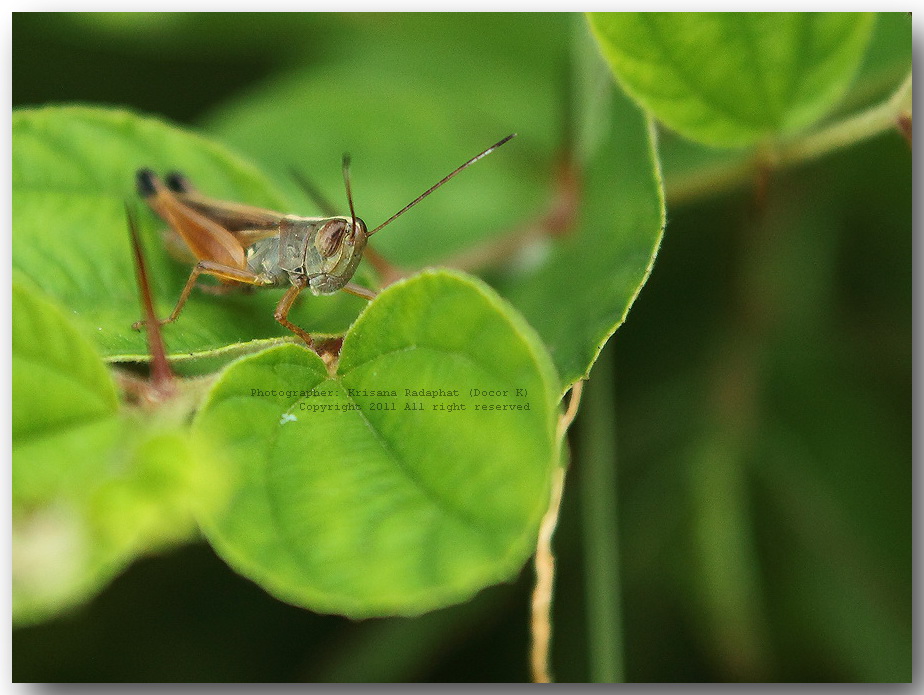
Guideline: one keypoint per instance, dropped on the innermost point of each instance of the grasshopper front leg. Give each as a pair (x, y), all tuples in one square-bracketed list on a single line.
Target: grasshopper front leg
[(285, 304), (359, 291), (288, 299)]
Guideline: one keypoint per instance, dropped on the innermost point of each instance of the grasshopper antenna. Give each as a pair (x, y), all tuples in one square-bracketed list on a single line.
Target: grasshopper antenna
[(312, 191), (438, 183), (349, 190), (161, 374)]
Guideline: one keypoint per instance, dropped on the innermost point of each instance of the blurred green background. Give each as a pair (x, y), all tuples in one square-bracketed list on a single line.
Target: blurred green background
[(761, 423)]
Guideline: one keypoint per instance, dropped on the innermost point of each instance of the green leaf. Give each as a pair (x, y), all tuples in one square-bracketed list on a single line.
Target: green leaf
[(92, 486), (692, 170), (887, 60), (582, 289), (381, 511), (59, 386), (64, 418), (88, 500), (733, 79), (73, 171)]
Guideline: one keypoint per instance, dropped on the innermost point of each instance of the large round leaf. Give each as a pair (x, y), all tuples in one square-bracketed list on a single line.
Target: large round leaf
[(395, 485)]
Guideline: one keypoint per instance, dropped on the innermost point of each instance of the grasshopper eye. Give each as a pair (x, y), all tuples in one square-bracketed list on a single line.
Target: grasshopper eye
[(330, 237), (359, 230)]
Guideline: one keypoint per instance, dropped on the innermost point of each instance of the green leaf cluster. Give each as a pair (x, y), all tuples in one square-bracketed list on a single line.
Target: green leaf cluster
[(368, 512), (93, 485)]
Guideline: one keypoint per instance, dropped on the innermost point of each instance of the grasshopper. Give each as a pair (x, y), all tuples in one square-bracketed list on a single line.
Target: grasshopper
[(243, 245)]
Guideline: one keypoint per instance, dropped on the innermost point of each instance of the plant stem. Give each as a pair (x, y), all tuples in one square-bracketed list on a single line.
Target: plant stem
[(541, 625), (893, 113), (600, 526), (863, 126), (541, 609)]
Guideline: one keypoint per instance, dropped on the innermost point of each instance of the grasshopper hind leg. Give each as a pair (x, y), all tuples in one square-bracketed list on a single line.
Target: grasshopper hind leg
[(218, 270)]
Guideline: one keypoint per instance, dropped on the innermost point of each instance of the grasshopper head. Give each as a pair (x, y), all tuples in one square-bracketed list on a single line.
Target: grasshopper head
[(324, 252)]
